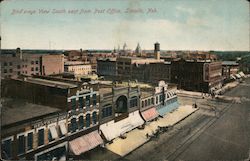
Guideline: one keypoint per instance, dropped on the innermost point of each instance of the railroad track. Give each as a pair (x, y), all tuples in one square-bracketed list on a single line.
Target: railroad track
[(182, 147)]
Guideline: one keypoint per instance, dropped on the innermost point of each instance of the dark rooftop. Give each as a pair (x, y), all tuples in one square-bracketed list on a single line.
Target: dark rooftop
[(16, 110)]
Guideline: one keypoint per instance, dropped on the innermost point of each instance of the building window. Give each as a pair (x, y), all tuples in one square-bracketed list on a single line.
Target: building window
[(11, 70), (30, 141), (5, 71), (142, 104), (133, 102), (81, 122), (106, 111), (5, 64), (87, 101), (37, 62), (94, 117), (50, 136), (36, 68), (73, 104), (18, 72), (6, 149), (18, 66), (146, 103), (32, 62), (152, 100), (74, 125), (10, 63), (32, 69), (88, 120), (40, 137), (80, 102), (94, 99), (156, 99), (21, 144)]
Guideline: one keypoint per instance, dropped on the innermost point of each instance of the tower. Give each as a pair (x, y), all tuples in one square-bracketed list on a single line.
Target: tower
[(157, 51), (138, 50)]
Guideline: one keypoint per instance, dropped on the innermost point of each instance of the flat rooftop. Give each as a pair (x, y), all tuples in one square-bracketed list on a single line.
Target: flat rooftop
[(16, 110), (145, 94), (51, 83), (105, 90)]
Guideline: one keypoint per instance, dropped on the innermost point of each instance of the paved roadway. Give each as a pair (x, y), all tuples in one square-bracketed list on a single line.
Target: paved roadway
[(206, 135)]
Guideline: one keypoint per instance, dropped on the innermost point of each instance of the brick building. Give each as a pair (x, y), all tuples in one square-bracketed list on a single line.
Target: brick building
[(78, 103), (107, 67), (197, 75), (17, 63)]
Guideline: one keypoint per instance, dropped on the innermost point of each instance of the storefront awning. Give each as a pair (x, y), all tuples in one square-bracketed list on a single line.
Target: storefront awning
[(53, 132), (167, 108), (85, 143), (113, 129), (150, 114)]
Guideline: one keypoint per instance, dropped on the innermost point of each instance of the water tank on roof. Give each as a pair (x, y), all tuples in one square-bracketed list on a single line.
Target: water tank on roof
[(157, 46)]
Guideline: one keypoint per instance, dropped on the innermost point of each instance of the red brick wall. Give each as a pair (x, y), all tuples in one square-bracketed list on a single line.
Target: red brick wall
[(52, 64)]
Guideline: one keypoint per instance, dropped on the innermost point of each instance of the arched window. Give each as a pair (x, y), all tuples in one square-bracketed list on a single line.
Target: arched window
[(88, 120), (121, 104), (81, 122), (94, 117), (142, 104)]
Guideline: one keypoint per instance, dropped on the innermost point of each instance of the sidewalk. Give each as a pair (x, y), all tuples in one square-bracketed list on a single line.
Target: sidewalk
[(189, 93), (137, 137), (201, 95)]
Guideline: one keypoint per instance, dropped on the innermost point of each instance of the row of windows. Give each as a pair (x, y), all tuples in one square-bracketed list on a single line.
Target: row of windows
[(147, 102), (11, 70), (106, 111), (133, 102), (159, 98), (82, 103), (10, 63), (33, 62), (74, 125), (24, 143)]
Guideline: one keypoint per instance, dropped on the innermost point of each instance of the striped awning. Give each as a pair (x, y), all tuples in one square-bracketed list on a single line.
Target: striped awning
[(167, 108), (149, 114), (85, 143), (113, 129)]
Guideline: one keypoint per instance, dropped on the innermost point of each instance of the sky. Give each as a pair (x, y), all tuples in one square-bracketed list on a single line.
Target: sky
[(175, 24)]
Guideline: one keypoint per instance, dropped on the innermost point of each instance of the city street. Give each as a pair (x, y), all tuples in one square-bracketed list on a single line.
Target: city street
[(206, 135)]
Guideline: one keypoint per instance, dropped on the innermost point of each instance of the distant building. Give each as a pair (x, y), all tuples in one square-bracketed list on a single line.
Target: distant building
[(229, 68), (159, 71), (78, 68), (197, 75), (18, 63), (131, 68), (107, 67)]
